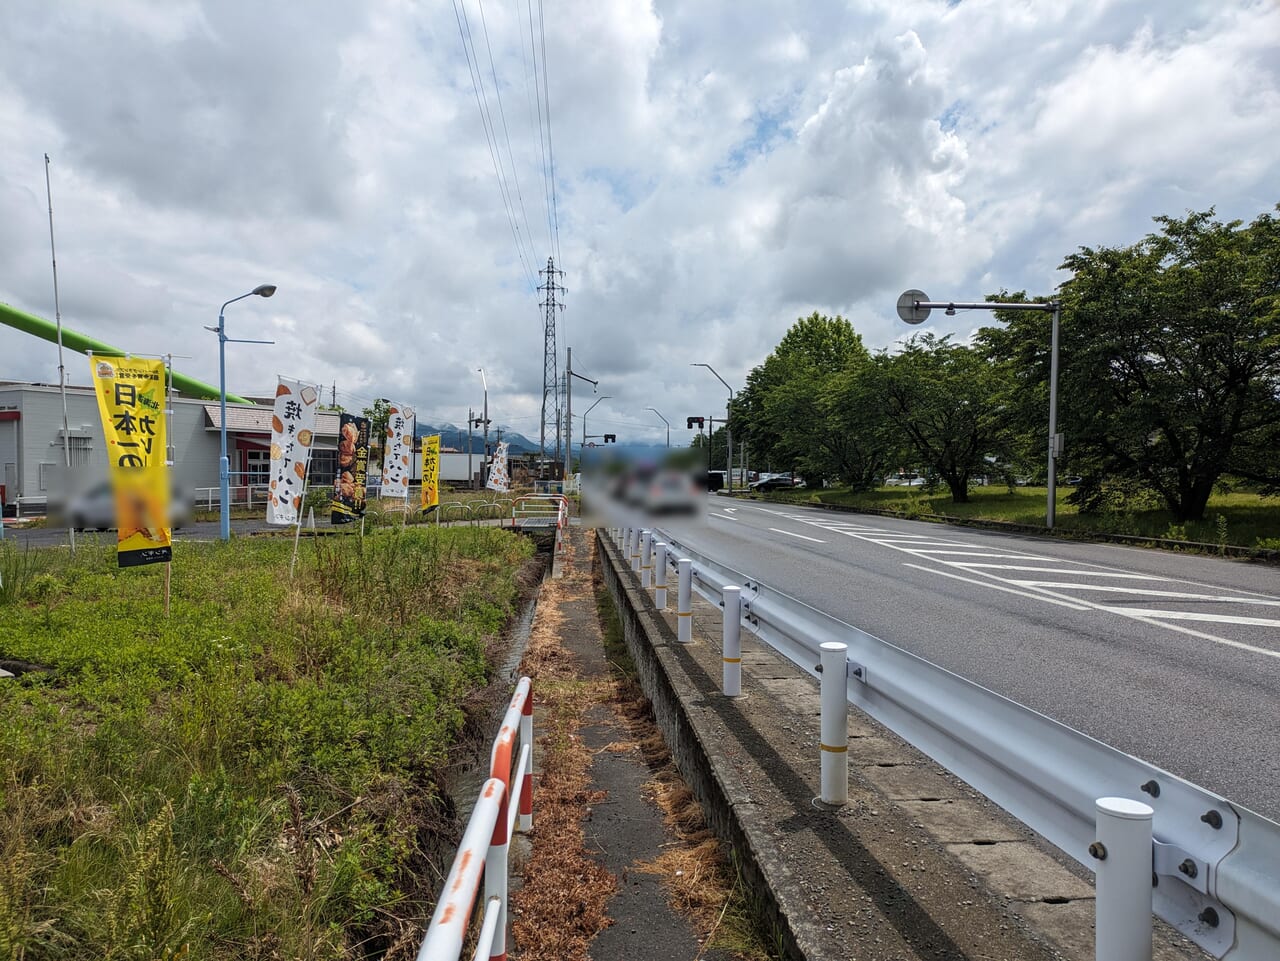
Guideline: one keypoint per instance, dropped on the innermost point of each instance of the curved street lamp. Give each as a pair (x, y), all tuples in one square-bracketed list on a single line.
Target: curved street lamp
[(728, 431), (224, 465), (665, 421), (584, 418)]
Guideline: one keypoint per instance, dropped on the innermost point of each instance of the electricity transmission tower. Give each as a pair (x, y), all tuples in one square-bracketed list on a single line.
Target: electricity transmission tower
[(550, 369)]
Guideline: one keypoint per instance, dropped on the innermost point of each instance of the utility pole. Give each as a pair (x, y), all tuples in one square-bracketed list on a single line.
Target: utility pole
[(470, 475), (550, 370), (569, 374)]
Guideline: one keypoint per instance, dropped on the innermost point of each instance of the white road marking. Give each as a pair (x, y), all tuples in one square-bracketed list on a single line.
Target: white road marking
[(1194, 616), (1052, 570), (725, 517), (1143, 592), (997, 587), (803, 537)]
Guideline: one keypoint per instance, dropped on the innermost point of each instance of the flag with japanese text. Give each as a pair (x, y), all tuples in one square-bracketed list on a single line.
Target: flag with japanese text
[(131, 400), (499, 479), (293, 425), (353, 467), (397, 461), (431, 471)]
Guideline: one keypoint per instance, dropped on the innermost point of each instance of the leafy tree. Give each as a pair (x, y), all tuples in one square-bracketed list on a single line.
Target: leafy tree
[(379, 414), (1170, 358), (786, 410), (945, 401)]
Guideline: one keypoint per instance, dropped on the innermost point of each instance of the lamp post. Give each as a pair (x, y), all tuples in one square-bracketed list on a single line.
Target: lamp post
[(584, 418), (665, 421), (224, 465), (728, 431), (914, 307)]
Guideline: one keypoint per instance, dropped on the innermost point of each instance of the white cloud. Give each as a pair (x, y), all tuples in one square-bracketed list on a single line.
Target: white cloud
[(721, 170)]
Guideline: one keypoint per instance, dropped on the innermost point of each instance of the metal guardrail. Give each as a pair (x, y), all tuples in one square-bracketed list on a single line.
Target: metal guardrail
[(540, 510), (1215, 865), (486, 844)]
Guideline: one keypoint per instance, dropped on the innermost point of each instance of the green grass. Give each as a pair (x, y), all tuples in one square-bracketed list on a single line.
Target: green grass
[(255, 776), (1247, 520)]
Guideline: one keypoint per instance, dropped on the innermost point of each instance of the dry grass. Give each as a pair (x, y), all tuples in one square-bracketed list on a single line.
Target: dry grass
[(561, 907), (566, 894)]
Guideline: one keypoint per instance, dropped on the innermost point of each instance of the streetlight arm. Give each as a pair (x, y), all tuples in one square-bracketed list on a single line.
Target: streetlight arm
[(655, 410), (718, 377), (984, 305), (593, 383)]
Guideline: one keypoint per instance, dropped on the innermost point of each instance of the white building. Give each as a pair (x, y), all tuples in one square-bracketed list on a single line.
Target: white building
[(32, 456)]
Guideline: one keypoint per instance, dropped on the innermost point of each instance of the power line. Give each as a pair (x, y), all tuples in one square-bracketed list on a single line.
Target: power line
[(542, 140), (551, 153), (486, 121), (502, 114)]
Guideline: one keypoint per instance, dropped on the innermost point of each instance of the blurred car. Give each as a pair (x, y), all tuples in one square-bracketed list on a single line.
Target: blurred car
[(670, 492), (775, 482), (95, 509)]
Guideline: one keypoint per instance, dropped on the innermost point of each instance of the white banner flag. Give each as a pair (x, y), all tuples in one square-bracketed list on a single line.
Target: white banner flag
[(293, 424), (499, 480), (397, 462)]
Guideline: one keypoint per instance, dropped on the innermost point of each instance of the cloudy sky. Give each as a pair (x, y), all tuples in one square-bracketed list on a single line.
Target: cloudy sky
[(722, 167)]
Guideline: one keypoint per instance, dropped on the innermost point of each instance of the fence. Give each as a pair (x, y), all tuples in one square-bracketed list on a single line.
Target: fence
[(1207, 866), (488, 833)]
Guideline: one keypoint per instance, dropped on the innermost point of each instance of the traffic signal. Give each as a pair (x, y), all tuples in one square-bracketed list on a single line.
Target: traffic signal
[(696, 422), (610, 438)]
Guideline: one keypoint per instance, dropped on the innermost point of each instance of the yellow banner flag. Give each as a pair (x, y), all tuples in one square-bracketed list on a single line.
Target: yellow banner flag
[(431, 471), (131, 401)]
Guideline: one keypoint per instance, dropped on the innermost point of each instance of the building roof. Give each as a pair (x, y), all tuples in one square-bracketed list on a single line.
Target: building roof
[(252, 419)]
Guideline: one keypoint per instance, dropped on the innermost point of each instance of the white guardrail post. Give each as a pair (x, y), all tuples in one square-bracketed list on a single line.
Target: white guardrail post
[(834, 724), (626, 545), (684, 601), (646, 559), (660, 576), (1122, 929), (732, 647), (635, 549)]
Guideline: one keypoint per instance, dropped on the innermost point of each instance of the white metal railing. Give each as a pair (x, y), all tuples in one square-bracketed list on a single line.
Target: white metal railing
[(239, 495), (1215, 864), (486, 843), (539, 510)]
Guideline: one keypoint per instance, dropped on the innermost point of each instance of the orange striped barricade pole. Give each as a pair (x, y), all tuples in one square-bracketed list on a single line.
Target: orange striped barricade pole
[(732, 646), (495, 866), (452, 915), (684, 601), (834, 737), (660, 576)]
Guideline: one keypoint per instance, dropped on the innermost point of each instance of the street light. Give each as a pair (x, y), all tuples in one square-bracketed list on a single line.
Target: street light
[(224, 465), (728, 431), (584, 418), (914, 307), (665, 421)]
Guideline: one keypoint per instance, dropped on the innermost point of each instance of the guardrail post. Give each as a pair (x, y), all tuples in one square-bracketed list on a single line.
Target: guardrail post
[(635, 549), (732, 647), (646, 558), (495, 879), (626, 545), (1122, 929), (660, 576), (684, 601), (834, 739)]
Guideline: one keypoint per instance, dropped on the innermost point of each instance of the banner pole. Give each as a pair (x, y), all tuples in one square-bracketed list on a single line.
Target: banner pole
[(297, 532), (168, 572)]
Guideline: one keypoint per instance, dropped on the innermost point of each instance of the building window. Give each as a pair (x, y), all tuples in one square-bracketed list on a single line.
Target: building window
[(257, 467), (323, 468), (46, 474)]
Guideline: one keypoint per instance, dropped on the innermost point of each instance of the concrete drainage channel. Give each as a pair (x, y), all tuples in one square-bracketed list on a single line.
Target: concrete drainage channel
[(916, 865)]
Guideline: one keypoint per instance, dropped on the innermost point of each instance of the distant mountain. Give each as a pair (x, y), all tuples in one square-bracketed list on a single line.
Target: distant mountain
[(451, 435)]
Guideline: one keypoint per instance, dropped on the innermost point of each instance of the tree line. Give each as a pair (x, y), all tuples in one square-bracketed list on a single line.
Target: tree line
[(1169, 381)]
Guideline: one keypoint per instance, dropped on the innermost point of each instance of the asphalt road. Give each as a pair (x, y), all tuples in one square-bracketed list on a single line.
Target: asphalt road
[(1172, 658), (54, 536)]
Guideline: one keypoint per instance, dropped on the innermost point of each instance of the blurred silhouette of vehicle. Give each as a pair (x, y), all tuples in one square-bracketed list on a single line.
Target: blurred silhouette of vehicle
[(670, 492), (95, 509)]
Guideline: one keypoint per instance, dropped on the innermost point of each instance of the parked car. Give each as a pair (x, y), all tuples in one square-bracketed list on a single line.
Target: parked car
[(95, 509), (775, 482)]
